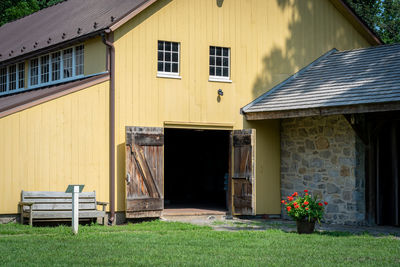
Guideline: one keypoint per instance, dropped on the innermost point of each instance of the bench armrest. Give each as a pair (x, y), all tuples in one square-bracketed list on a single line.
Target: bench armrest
[(104, 204), (21, 203)]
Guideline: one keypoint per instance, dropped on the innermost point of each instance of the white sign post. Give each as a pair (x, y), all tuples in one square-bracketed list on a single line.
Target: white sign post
[(75, 189)]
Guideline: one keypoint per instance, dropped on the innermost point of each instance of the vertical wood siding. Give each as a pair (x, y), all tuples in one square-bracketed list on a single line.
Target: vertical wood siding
[(60, 142), (269, 41)]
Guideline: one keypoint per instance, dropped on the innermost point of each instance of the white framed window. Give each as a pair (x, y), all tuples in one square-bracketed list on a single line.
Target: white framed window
[(168, 56), (220, 59), (79, 60), (21, 75), (45, 69), (34, 71), (12, 77), (56, 66), (3, 79), (67, 63)]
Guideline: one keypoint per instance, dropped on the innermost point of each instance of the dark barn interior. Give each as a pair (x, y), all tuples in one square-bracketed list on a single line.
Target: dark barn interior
[(387, 169), (380, 132), (196, 167)]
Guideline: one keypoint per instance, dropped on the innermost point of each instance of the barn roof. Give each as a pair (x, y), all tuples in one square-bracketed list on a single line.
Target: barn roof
[(13, 103), (338, 79), (63, 22)]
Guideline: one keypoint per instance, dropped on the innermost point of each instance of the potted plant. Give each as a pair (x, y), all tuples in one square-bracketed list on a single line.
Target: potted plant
[(305, 210)]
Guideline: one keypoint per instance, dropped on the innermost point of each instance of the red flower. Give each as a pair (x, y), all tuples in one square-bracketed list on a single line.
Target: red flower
[(306, 194), (320, 204), (296, 207), (295, 203), (283, 201), (295, 194), (290, 198), (326, 203), (306, 191), (289, 208), (306, 202), (307, 208)]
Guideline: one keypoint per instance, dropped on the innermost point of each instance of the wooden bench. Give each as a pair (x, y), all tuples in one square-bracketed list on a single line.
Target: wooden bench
[(57, 206)]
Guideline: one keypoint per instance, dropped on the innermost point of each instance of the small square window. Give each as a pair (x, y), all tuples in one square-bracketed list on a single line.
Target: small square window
[(168, 58), (219, 63)]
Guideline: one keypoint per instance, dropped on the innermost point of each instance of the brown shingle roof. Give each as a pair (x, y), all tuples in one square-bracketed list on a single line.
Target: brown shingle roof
[(61, 23), (20, 101)]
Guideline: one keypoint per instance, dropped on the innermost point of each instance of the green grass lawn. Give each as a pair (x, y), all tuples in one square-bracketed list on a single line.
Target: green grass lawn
[(168, 243)]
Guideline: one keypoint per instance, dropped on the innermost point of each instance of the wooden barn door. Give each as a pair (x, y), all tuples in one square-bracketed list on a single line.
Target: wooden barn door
[(144, 155), (243, 184)]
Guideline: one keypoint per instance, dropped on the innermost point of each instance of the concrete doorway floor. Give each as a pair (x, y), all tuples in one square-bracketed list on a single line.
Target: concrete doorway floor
[(221, 222)]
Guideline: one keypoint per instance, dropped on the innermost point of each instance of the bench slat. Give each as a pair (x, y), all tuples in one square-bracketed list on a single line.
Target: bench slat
[(57, 200), (55, 207), (48, 194), (64, 214)]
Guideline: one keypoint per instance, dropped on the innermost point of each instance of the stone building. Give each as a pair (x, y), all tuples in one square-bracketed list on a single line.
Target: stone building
[(339, 133)]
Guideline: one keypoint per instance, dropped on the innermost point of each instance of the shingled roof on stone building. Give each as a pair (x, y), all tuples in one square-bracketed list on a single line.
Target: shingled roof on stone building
[(66, 21), (340, 81)]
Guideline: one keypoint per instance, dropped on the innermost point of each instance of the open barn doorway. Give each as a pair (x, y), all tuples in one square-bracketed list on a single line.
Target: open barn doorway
[(196, 169), (383, 167)]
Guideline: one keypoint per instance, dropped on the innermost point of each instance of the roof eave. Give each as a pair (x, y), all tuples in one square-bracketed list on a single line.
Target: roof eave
[(324, 111), (363, 28), (131, 14)]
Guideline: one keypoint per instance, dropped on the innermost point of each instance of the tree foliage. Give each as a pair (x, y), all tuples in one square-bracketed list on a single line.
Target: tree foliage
[(382, 16), (14, 9)]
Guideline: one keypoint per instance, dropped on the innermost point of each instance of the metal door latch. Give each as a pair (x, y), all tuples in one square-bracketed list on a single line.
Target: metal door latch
[(128, 178)]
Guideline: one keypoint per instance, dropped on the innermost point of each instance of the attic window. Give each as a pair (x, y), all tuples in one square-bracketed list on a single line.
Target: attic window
[(56, 67), (168, 59)]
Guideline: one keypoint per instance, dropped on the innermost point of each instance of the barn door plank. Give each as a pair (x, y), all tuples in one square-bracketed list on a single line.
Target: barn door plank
[(243, 172), (144, 154)]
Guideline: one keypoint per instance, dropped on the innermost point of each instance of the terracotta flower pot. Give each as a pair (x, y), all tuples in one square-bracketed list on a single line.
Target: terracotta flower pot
[(305, 227)]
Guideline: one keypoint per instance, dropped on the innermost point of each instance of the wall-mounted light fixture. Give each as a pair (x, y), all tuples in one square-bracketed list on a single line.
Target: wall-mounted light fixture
[(219, 3), (220, 92)]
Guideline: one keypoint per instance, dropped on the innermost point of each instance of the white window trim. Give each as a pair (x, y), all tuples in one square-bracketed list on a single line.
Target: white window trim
[(172, 75), (221, 79)]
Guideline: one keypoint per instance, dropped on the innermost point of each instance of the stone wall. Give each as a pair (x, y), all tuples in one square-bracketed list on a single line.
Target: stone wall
[(323, 155)]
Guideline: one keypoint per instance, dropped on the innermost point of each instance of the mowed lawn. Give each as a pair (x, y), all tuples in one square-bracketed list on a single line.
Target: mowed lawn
[(170, 243)]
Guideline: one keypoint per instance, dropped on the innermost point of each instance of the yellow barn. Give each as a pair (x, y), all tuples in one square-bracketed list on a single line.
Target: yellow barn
[(140, 100)]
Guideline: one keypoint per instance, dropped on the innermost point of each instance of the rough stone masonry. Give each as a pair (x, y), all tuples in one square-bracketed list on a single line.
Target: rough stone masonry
[(324, 155)]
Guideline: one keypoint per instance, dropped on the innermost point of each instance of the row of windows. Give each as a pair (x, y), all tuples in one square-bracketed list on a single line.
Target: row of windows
[(55, 67), (168, 59), (12, 77)]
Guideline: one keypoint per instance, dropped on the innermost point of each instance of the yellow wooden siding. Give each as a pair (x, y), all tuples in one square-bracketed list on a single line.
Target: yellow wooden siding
[(269, 41), (95, 56), (60, 142)]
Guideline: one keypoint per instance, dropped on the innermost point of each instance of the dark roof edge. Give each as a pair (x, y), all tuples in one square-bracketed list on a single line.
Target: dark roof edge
[(276, 87), (51, 48), (131, 14), (325, 111), (374, 37), (62, 90)]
